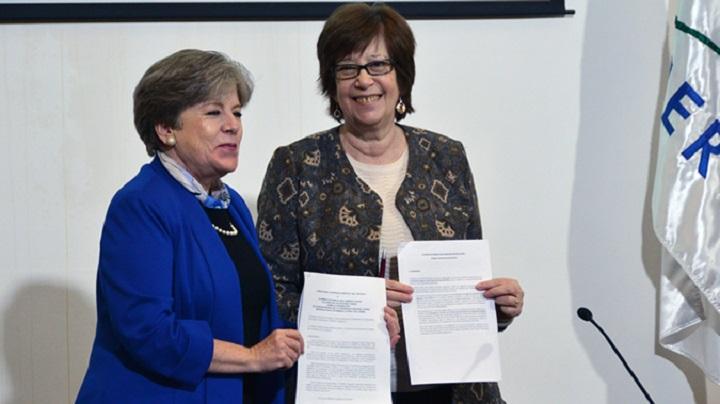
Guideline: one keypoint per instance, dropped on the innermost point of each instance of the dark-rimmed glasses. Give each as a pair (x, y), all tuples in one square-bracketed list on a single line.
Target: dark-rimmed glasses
[(346, 71)]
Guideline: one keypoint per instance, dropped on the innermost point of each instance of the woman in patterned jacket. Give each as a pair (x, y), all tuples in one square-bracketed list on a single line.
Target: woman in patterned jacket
[(335, 201)]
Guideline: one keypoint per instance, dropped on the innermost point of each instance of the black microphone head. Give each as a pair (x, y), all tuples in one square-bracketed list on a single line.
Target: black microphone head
[(584, 313)]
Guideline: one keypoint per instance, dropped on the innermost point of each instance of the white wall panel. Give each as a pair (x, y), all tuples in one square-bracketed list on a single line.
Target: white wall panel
[(35, 314)]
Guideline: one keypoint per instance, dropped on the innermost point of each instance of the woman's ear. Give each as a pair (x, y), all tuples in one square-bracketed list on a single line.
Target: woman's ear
[(166, 134)]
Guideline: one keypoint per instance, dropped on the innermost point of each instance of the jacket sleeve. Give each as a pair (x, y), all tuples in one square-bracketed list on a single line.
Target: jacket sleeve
[(277, 228), (474, 230), (135, 283)]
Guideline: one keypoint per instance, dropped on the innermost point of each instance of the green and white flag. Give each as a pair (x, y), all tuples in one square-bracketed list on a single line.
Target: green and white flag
[(686, 197)]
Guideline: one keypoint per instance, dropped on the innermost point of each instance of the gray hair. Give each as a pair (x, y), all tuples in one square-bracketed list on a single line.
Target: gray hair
[(179, 81)]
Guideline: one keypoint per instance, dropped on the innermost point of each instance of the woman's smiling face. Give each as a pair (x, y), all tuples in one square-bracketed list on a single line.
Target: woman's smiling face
[(208, 138), (368, 102)]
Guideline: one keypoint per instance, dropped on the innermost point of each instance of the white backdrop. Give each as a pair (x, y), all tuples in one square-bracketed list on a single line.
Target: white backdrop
[(557, 115)]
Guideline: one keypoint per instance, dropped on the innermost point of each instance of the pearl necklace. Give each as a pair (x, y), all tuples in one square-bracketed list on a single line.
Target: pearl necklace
[(229, 233)]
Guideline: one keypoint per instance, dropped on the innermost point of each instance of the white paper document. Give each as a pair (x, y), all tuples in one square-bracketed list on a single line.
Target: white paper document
[(347, 348), (450, 328)]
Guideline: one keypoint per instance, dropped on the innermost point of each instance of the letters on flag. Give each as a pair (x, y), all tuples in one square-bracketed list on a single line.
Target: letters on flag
[(686, 195)]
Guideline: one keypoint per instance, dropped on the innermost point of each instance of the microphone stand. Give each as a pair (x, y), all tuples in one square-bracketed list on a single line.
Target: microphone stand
[(586, 315)]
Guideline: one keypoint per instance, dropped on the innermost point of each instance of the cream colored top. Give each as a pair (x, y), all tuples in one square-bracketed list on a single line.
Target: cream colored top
[(385, 180)]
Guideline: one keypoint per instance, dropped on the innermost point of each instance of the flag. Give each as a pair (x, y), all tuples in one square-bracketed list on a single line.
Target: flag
[(686, 194)]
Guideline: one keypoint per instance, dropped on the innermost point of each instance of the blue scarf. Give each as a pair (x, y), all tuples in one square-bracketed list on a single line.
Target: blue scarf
[(217, 199)]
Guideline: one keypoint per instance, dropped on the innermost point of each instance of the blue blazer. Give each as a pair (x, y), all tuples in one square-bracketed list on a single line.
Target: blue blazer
[(166, 287)]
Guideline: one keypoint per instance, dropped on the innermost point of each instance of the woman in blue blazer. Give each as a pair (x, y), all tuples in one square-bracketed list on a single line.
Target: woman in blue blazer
[(185, 306)]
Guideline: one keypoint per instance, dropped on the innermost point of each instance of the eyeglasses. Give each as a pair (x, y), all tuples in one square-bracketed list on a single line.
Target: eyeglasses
[(348, 71)]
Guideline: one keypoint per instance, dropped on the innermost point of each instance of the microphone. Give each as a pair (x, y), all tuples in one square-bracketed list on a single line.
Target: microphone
[(586, 315)]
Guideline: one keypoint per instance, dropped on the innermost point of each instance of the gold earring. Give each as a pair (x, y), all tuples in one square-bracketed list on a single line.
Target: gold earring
[(337, 114), (400, 107)]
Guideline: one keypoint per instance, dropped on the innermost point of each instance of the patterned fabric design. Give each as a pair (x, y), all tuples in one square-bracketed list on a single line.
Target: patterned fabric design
[(335, 227)]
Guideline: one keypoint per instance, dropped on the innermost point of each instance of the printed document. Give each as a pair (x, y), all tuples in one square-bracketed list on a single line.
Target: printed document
[(347, 348), (450, 328)]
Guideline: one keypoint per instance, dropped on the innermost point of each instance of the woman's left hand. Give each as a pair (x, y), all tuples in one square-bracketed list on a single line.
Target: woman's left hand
[(393, 325), (508, 296)]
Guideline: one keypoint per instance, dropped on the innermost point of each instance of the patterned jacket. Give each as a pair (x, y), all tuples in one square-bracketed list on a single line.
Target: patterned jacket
[(315, 214)]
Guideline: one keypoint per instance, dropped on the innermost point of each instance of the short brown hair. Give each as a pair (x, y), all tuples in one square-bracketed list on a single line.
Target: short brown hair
[(179, 81), (351, 28)]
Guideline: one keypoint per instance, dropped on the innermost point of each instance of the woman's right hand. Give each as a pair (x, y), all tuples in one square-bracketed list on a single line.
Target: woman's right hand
[(280, 350), (397, 293)]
